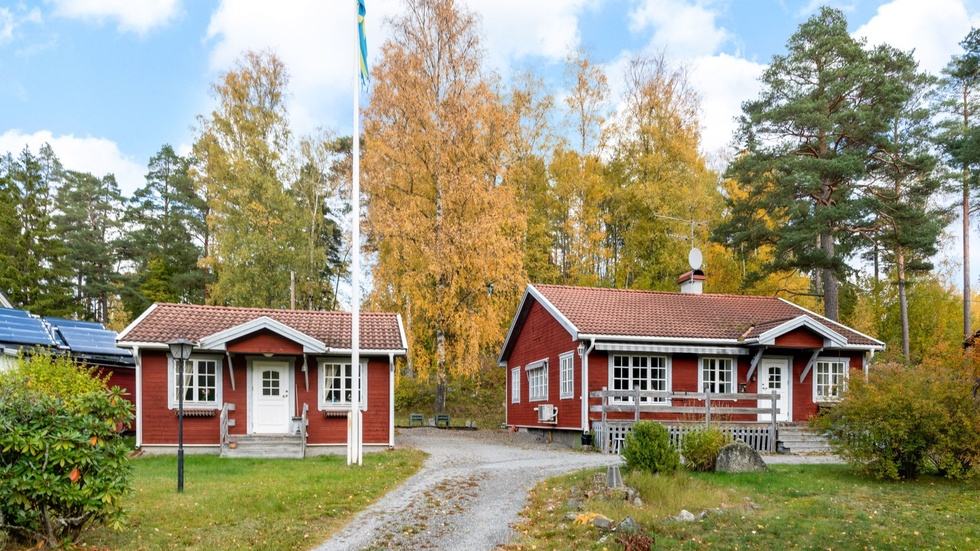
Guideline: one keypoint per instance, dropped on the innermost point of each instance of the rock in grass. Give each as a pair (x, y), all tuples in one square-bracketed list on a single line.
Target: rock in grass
[(739, 457), (627, 525)]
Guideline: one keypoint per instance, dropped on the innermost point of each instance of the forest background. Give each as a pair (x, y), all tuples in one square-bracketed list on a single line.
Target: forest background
[(848, 167)]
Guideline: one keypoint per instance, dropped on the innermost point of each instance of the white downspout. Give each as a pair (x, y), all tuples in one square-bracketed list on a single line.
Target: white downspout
[(585, 386), (139, 396), (391, 399)]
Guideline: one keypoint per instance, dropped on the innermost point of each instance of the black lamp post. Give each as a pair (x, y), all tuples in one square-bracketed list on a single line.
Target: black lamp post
[(180, 349)]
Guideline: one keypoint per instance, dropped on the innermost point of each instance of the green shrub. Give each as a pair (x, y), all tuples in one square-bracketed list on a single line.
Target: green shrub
[(63, 466), (700, 448), (647, 447), (904, 420)]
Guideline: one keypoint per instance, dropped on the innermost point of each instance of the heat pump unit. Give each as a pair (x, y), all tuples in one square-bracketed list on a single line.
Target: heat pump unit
[(547, 413)]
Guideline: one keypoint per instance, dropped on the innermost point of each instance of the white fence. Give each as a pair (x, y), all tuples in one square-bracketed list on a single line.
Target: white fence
[(609, 434)]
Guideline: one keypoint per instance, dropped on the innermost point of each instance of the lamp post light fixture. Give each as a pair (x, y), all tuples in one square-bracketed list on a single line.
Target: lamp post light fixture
[(180, 350)]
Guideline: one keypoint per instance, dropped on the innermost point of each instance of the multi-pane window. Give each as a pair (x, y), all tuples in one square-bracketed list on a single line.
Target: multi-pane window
[(537, 381), (829, 379), (270, 382), (643, 373), (200, 382), (515, 385), (338, 384), (718, 375), (566, 375)]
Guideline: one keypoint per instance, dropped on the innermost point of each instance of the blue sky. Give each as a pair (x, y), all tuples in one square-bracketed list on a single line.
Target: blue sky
[(108, 82)]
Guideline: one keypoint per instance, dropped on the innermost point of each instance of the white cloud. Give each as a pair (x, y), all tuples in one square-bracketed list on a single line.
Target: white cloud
[(934, 29), (516, 29), (315, 40), (688, 29), (724, 82), (137, 16), (98, 156), (9, 21)]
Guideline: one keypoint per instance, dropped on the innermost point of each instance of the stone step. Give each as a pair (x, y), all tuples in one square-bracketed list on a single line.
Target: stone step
[(802, 439), (265, 446)]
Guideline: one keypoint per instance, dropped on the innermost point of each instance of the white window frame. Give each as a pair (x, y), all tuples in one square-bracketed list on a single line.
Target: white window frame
[(731, 383), (192, 382), (537, 381), (324, 404), (515, 385), (834, 387), (566, 375), (649, 384)]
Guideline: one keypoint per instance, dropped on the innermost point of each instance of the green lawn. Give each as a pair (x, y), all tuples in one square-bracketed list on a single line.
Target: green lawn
[(795, 507), (251, 503)]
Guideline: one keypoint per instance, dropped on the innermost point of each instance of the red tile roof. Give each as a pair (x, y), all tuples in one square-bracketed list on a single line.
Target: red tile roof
[(656, 314), (164, 322)]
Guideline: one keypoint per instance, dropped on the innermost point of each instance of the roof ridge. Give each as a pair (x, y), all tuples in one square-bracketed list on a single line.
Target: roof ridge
[(654, 292), (254, 309)]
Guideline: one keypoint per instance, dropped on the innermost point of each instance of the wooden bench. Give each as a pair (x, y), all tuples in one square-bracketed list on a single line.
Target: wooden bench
[(442, 418), (416, 418)]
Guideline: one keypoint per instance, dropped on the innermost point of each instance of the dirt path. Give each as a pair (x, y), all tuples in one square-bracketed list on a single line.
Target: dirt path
[(467, 495)]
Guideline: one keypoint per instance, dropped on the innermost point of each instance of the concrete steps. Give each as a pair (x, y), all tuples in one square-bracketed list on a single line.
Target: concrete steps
[(286, 446), (800, 439)]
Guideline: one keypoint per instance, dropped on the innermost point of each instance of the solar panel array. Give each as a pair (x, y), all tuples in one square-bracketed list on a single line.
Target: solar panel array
[(19, 327), (87, 340)]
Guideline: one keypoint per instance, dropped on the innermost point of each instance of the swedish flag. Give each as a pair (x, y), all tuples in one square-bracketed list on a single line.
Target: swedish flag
[(365, 78)]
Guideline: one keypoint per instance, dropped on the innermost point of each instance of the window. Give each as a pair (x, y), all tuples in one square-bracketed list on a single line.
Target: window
[(515, 385), (201, 383), (566, 375), (829, 379), (270, 383), (643, 373), (718, 375), (537, 381), (337, 384)]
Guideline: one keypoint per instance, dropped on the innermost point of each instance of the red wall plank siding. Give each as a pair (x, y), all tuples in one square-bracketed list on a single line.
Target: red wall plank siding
[(543, 338), (800, 338), (160, 422), (264, 341), (333, 430)]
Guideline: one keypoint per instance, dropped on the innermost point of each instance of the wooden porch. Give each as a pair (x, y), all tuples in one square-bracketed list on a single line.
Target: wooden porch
[(610, 434)]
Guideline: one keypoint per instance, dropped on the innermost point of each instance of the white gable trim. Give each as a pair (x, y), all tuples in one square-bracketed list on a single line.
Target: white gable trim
[(121, 337), (831, 338), (219, 340), (880, 345), (548, 306)]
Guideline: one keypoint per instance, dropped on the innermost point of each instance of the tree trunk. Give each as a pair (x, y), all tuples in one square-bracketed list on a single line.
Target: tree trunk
[(829, 278), (903, 303), (440, 401), (967, 294)]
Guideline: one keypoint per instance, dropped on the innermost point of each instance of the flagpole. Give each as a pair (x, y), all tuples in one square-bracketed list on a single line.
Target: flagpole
[(355, 434)]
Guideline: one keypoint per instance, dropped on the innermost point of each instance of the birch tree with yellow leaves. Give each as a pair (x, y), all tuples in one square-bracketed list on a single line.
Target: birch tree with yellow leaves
[(441, 220)]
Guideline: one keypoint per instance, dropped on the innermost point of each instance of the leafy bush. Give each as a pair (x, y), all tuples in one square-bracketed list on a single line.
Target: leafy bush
[(904, 420), (647, 447), (700, 448), (63, 466)]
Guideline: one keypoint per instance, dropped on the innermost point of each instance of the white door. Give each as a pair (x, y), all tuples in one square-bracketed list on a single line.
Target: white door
[(775, 375), (270, 398)]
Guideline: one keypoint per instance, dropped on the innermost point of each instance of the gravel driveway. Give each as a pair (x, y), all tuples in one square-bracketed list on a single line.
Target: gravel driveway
[(467, 495)]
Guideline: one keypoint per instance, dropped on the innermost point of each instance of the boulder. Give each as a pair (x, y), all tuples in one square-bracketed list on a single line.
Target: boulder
[(627, 525), (739, 457)]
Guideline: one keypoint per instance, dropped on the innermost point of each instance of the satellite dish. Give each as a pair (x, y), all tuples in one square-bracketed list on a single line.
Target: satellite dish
[(694, 259)]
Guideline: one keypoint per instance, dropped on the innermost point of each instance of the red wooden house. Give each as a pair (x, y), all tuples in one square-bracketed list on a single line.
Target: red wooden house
[(278, 376), (688, 342)]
